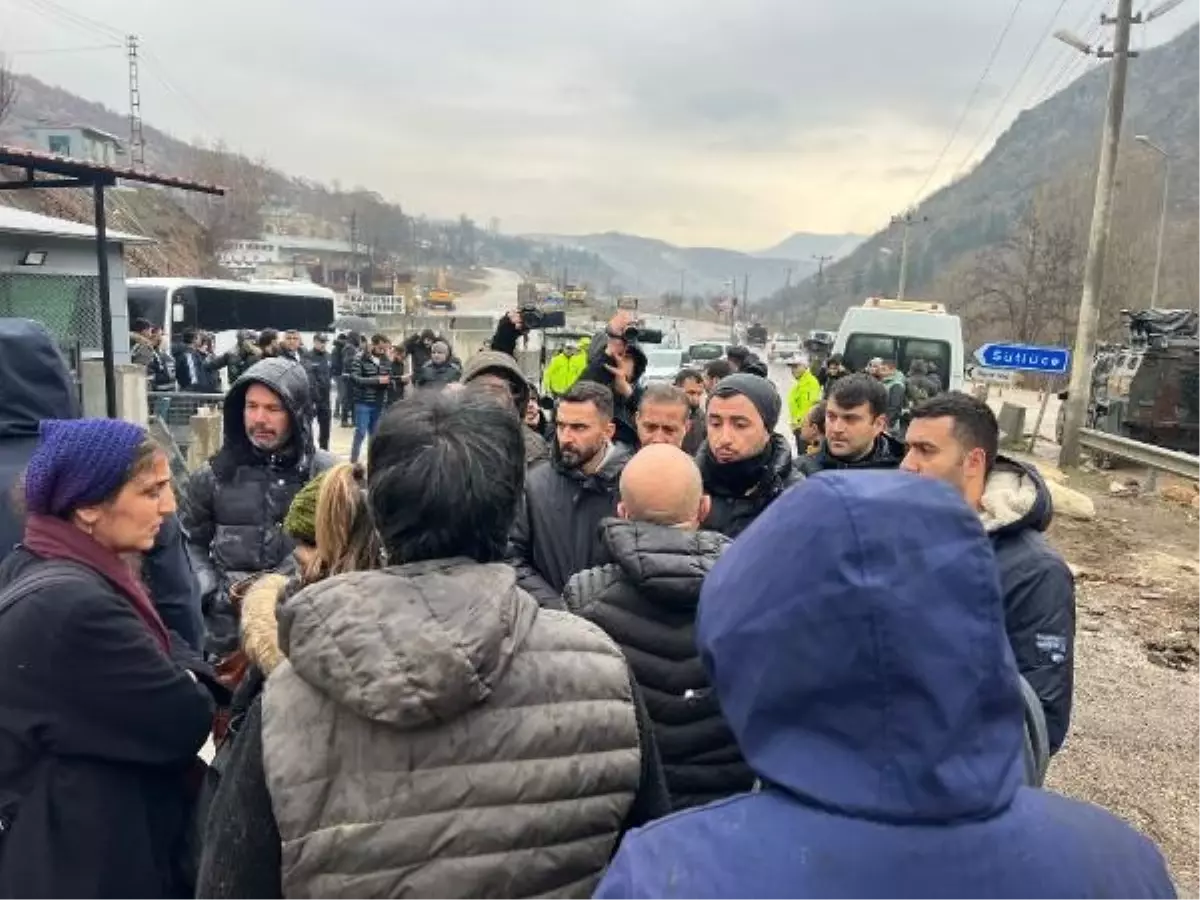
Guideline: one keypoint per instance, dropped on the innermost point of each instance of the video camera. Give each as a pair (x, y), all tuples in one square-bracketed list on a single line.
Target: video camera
[(637, 335), (534, 318)]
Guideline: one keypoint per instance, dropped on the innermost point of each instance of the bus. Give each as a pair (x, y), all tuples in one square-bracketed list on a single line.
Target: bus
[(225, 307)]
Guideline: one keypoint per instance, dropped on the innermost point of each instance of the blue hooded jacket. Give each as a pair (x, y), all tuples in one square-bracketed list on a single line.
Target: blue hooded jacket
[(864, 669)]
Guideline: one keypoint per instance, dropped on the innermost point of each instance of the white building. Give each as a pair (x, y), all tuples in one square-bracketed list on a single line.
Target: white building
[(275, 255), (78, 142)]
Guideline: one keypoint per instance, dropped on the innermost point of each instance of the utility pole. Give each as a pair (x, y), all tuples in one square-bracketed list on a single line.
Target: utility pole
[(354, 250), (787, 281), (1162, 213), (137, 142), (821, 260), (745, 295), (682, 286), (907, 220), (1079, 389)]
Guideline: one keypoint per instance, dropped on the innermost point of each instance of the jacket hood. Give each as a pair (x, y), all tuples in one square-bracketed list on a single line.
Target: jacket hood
[(258, 622), (663, 563), (34, 381), (864, 666), (289, 380), (408, 645), (1015, 498)]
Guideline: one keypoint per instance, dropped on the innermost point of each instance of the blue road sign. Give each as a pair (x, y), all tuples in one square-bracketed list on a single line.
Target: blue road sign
[(1024, 358)]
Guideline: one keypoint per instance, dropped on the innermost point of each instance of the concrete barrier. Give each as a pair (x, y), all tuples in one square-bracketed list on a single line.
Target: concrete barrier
[(205, 427), (131, 391)]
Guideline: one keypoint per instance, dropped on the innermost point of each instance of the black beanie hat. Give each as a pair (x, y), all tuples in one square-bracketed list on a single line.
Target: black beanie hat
[(758, 391)]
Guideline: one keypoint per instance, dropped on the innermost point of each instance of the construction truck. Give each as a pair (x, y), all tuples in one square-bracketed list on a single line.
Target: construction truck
[(439, 296), (575, 295)]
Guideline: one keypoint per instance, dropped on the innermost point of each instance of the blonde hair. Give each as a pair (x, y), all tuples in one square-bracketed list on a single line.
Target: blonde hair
[(346, 536)]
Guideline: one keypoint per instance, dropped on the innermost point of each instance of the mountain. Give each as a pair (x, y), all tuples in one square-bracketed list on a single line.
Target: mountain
[(1034, 186), (649, 266), (805, 245)]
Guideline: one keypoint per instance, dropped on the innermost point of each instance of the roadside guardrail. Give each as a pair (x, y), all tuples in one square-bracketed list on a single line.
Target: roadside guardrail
[(1185, 465)]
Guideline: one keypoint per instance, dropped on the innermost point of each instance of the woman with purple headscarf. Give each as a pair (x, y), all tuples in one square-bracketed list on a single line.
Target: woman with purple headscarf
[(100, 716)]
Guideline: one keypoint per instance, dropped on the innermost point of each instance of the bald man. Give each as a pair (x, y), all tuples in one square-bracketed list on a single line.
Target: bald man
[(646, 600)]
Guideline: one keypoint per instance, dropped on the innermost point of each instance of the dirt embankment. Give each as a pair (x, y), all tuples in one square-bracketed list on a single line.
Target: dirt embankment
[(1132, 746)]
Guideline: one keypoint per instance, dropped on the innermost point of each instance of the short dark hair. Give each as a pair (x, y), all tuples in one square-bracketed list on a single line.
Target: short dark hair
[(975, 425), (267, 337), (718, 369), (667, 394), (189, 336), (816, 415), (686, 375), (447, 470), (141, 325), (591, 392), (857, 389), (738, 353), (836, 358), (377, 339)]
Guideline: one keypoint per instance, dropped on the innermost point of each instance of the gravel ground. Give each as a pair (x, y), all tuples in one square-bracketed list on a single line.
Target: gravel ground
[(1133, 744)]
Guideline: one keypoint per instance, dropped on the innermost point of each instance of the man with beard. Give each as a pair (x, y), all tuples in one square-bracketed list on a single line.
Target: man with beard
[(955, 438), (691, 383), (745, 464), (646, 600), (234, 506), (856, 435), (291, 346), (556, 534), (714, 372)]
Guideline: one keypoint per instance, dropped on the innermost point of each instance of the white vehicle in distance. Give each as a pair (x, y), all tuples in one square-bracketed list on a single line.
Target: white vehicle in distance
[(662, 364), (783, 346), (905, 331)]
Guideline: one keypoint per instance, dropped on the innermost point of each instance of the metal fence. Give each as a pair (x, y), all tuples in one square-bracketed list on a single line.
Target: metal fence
[(176, 408), (68, 305)]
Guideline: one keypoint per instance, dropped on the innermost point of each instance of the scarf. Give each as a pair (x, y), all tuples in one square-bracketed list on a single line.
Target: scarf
[(739, 478), (52, 538)]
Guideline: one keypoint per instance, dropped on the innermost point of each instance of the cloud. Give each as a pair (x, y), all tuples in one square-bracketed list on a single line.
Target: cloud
[(727, 122)]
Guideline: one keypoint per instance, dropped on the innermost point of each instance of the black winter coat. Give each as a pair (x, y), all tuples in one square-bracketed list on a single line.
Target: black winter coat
[(432, 375), (99, 731), (240, 360), (556, 532), (738, 501), (320, 377), (646, 601), (887, 453), (1038, 588), (364, 376), (234, 507)]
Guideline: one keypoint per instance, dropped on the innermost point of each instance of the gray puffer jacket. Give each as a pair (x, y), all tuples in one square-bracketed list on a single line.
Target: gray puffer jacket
[(434, 733), (233, 507)]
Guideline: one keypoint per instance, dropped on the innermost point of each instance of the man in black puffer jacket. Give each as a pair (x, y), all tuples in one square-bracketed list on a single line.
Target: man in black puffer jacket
[(744, 463), (646, 601), (233, 507)]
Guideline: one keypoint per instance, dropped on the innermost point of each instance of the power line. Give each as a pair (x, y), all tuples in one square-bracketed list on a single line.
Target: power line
[(1068, 59), (987, 68), (79, 20), (1008, 94), (46, 50)]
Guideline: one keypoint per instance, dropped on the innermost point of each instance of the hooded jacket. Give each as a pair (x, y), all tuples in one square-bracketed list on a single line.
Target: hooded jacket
[(646, 601), (35, 384), (1038, 588), (234, 506), (495, 362), (563, 371), (556, 531), (740, 496), (886, 453), (873, 692), (433, 733), (805, 393)]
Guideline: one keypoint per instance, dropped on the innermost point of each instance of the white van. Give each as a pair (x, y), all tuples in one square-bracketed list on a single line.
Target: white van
[(903, 330)]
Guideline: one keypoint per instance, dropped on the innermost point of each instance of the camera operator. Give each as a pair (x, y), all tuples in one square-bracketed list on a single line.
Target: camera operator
[(617, 361)]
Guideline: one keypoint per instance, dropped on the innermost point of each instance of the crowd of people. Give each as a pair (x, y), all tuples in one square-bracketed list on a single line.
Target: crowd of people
[(628, 644)]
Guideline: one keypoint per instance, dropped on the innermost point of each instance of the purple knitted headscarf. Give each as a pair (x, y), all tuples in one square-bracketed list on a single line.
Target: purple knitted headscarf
[(79, 462)]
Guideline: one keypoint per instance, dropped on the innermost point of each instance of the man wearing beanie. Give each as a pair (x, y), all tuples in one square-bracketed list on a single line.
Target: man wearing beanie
[(234, 507), (499, 374), (744, 463)]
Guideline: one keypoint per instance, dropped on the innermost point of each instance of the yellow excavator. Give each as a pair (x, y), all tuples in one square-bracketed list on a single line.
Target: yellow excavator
[(440, 297)]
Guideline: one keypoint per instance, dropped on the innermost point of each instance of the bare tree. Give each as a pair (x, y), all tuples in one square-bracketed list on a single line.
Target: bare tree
[(9, 89), (237, 215)]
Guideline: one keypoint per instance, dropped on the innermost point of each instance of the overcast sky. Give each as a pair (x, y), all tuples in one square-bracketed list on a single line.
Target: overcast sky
[(724, 122)]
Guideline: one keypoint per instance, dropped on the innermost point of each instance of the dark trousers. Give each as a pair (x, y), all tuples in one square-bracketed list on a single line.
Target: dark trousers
[(345, 399), (324, 415)]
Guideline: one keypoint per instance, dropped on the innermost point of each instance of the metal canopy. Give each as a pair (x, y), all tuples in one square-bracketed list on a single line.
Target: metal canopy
[(78, 173)]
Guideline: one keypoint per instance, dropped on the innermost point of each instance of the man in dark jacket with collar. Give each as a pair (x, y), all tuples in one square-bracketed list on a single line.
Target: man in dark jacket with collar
[(955, 438), (556, 534), (320, 382), (234, 506), (35, 385), (646, 600), (856, 429), (744, 463)]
